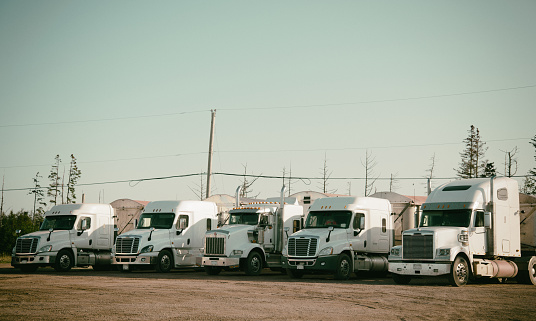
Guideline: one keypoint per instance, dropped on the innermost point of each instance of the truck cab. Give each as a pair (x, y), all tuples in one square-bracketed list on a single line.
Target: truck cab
[(341, 235), (468, 229), (253, 236), (70, 235), (169, 234)]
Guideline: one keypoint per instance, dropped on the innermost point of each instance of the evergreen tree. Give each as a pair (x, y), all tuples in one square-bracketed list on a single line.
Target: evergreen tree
[(74, 175), (54, 177), (529, 184), (39, 196), (473, 156)]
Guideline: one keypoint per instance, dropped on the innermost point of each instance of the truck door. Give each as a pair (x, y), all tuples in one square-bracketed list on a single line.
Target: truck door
[(82, 238), (357, 235), (477, 234)]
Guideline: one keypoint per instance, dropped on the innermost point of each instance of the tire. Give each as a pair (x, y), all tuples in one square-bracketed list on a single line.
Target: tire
[(253, 264), (528, 276), (212, 270), (64, 261), (401, 279), (460, 273), (294, 274), (28, 268), (164, 262), (344, 267)]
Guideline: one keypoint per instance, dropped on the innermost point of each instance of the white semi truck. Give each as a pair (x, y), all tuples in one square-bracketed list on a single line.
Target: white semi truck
[(169, 235), (469, 229), (70, 235), (253, 236), (342, 235)]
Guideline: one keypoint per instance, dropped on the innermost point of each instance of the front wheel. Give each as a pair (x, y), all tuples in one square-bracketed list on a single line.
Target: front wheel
[(344, 267), (64, 261), (254, 264), (165, 262), (528, 276), (459, 274)]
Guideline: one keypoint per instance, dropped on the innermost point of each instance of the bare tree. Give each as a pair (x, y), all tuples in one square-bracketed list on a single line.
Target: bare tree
[(369, 163), (39, 196), (430, 171), (393, 182), (287, 179), (246, 184), (510, 162), (326, 174), (199, 191)]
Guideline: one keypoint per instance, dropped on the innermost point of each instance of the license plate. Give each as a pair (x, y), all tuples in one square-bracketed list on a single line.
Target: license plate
[(417, 266), (125, 267), (214, 262), (300, 267)]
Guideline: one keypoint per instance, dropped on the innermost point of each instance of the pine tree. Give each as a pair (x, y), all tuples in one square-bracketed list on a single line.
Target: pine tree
[(54, 177), (74, 176), (473, 160), (39, 196)]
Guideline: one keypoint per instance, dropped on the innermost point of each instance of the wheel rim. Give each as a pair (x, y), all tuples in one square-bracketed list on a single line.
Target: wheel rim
[(345, 267), (461, 273), (255, 264), (532, 271), (65, 261), (165, 263)]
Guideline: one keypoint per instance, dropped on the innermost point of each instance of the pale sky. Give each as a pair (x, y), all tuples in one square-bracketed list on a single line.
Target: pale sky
[(127, 87)]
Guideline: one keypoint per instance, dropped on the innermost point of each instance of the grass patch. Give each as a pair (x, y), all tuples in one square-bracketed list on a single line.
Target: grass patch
[(5, 258)]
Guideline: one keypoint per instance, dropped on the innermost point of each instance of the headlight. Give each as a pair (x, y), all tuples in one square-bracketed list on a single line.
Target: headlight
[(395, 251), (147, 249), (326, 251), (237, 252), (46, 248), (443, 252)]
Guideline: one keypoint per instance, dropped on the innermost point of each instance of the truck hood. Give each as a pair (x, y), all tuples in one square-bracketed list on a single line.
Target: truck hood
[(43, 235), (144, 234), (231, 229)]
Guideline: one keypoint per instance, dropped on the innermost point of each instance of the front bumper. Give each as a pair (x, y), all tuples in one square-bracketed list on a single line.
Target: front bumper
[(419, 268), (142, 259), (321, 263), (40, 259), (231, 262)]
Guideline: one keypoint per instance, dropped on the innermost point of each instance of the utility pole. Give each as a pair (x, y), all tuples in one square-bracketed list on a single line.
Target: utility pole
[(210, 149), (2, 202)]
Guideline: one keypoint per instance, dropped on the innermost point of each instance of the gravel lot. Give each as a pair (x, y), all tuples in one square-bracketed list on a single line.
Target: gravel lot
[(84, 294)]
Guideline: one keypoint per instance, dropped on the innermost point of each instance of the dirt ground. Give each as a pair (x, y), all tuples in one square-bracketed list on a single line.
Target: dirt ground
[(85, 294)]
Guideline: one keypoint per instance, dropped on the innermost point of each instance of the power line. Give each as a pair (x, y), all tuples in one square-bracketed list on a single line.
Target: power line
[(272, 151), (277, 107), (134, 182)]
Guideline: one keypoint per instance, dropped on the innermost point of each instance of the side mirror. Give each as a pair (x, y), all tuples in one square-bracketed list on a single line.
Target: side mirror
[(286, 229), (83, 225), (487, 220), (331, 228), (179, 232), (18, 231)]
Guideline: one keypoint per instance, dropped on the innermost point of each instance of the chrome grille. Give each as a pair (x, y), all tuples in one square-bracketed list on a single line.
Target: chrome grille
[(214, 245), (26, 245), (418, 246), (305, 247), (127, 245)]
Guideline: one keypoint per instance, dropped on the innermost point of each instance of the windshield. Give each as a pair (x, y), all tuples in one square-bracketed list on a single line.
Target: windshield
[(320, 219), (459, 218), (243, 218), (156, 220), (58, 222)]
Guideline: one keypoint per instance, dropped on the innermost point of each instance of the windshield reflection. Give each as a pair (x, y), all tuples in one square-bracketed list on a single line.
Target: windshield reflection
[(156, 220), (460, 218), (321, 219), (58, 222)]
